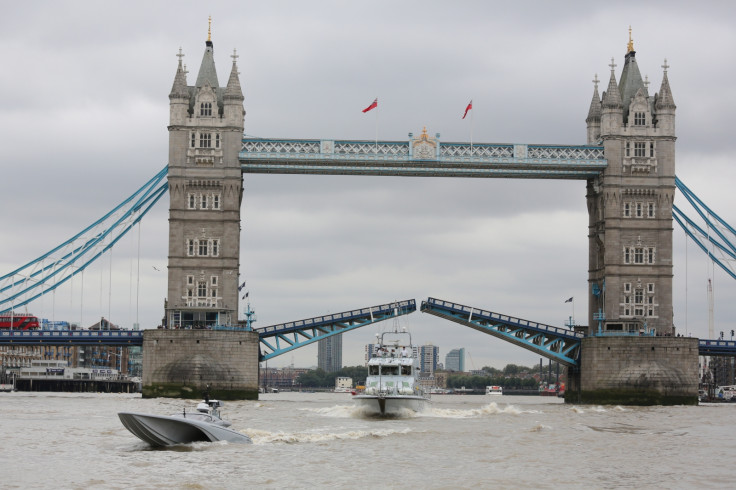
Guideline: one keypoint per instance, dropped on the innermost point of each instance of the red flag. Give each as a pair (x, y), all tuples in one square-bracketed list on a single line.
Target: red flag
[(372, 106), (470, 106)]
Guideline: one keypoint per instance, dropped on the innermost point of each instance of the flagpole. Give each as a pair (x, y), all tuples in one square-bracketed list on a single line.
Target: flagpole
[(471, 131), (376, 151)]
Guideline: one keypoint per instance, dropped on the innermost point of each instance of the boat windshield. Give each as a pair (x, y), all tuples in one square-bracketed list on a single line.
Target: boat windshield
[(406, 370), (373, 370), (390, 370)]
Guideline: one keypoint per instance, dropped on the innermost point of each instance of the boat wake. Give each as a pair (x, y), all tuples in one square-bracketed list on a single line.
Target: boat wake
[(265, 437), (491, 409), (354, 411), (597, 409)]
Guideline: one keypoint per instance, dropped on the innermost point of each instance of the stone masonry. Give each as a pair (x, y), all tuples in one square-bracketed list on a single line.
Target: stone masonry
[(185, 363)]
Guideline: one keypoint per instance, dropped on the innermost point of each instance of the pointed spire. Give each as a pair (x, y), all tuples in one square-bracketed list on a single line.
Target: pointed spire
[(594, 113), (664, 97), (612, 97), (207, 71), (179, 89), (233, 89), (631, 82)]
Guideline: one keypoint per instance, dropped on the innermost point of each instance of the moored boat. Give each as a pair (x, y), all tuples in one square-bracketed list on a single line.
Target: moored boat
[(392, 386), (204, 424)]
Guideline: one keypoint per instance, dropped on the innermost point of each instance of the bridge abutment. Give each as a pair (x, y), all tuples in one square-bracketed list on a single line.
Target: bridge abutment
[(636, 371), (185, 363)]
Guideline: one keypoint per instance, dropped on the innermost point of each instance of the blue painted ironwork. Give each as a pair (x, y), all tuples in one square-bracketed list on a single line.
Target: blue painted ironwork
[(72, 337), (396, 158), (713, 230), (559, 344), (49, 271), (717, 347), (279, 339)]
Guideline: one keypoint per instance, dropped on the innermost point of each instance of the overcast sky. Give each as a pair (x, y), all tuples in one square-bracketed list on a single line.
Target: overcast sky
[(84, 109)]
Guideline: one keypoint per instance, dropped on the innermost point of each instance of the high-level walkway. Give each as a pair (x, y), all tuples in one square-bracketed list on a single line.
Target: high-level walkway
[(421, 157)]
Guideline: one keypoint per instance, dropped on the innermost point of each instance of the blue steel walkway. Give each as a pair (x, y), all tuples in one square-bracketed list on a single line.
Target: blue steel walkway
[(72, 337), (282, 338), (559, 344)]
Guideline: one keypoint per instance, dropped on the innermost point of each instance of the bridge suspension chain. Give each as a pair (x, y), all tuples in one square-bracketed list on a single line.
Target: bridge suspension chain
[(52, 269), (713, 236)]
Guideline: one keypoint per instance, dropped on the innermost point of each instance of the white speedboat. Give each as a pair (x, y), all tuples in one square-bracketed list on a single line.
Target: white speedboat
[(392, 386), (203, 424), (494, 390)]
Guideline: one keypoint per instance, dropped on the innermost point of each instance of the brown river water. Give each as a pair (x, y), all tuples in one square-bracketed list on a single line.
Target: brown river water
[(320, 440)]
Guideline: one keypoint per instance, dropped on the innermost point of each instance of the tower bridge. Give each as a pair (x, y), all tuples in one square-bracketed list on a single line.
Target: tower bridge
[(627, 163)]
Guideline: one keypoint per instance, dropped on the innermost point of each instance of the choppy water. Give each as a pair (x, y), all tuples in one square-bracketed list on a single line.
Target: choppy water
[(65, 440)]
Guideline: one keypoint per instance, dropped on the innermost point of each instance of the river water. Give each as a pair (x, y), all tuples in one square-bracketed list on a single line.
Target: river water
[(315, 440)]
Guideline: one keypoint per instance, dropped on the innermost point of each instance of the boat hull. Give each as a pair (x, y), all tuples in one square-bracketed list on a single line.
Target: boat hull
[(161, 430), (390, 405)]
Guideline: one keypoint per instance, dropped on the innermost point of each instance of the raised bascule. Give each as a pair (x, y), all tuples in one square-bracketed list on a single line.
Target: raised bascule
[(629, 353)]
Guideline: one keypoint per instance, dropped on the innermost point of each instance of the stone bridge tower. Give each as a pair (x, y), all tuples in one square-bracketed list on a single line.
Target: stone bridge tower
[(205, 190), (630, 204)]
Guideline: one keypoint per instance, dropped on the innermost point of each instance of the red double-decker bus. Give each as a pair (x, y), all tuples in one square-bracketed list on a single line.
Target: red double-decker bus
[(19, 322)]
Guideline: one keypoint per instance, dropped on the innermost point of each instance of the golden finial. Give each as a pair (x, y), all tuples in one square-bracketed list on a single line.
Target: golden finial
[(209, 30), (630, 46)]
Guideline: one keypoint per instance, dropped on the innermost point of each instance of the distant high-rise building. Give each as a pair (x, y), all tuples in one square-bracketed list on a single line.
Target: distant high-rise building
[(370, 351), (428, 355), (329, 353), (455, 360)]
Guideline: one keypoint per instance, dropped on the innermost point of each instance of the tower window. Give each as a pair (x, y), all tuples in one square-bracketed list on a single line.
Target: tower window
[(205, 109), (650, 210), (627, 255), (190, 247), (213, 280), (650, 255), (651, 150), (217, 140), (628, 149), (192, 201), (203, 247), (215, 248), (639, 119), (627, 287), (638, 255), (203, 201), (190, 280), (627, 209), (205, 140), (194, 139), (638, 210), (640, 149), (202, 289), (215, 201), (650, 287)]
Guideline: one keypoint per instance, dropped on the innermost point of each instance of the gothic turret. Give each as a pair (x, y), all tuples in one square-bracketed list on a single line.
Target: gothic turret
[(594, 116), (611, 106), (232, 99), (665, 106), (179, 95)]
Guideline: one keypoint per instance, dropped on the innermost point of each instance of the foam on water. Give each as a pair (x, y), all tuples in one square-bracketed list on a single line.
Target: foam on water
[(266, 437), (491, 409), (596, 409)]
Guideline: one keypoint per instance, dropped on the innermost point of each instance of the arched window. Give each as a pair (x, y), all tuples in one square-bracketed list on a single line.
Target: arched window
[(205, 109)]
